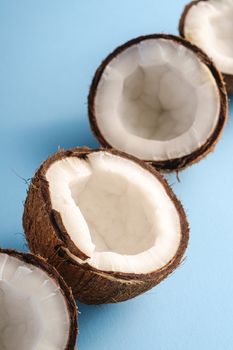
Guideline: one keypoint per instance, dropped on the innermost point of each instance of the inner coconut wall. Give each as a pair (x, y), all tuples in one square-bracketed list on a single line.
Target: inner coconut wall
[(115, 212), (33, 312), (209, 25), (156, 100)]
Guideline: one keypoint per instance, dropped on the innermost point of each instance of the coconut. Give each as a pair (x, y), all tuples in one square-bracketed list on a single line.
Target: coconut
[(37, 309), (159, 98), (108, 222), (208, 24)]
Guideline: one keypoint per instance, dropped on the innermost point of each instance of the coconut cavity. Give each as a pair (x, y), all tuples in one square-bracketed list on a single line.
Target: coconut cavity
[(209, 25), (156, 111), (33, 311), (158, 98), (115, 211), (108, 222)]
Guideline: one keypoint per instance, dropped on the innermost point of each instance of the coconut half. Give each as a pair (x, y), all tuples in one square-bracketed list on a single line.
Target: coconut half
[(209, 25), (159, 98), (108, 222), (37, 310)]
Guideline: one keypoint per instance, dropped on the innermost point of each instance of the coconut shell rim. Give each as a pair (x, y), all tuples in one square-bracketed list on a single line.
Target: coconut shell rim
[(63, 236), (174, 164), (228, 78), (42, 264)]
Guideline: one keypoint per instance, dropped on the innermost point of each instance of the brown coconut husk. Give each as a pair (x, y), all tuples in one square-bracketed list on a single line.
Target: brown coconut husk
[(48, 237), (228, 78), (42, 264), (175, 164)]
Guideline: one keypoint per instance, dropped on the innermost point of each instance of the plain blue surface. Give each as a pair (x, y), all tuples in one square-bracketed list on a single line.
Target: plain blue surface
[(49, 50)]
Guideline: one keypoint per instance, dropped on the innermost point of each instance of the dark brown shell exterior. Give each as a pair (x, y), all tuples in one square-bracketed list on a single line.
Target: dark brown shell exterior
[(42, 264), (175, 164), (47, 237), (227, 77)]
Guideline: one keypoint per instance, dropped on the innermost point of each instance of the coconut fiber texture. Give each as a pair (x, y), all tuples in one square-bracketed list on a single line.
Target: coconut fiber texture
[(47, 236)]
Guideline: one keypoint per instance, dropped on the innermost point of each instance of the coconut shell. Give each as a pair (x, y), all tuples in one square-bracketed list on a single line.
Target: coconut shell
[(228, 78), (47, 237), (175, 164), (42, 264)]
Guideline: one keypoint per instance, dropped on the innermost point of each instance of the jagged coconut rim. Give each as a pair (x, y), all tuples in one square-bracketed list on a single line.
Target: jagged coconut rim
[(40, 263), (176, 163), (228, 78), (69, 249)]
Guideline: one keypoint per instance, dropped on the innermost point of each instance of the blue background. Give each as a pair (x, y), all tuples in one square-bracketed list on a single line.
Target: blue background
[(49, 50)]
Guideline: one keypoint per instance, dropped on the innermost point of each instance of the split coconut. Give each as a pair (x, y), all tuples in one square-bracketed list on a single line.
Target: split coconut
[(107, 221), (159, 98), (209, 25), (37, 309)]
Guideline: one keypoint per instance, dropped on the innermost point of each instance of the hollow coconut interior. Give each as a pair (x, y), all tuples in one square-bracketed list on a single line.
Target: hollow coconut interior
[(33, 312), (115, 211), (209, 25), (156, 100)]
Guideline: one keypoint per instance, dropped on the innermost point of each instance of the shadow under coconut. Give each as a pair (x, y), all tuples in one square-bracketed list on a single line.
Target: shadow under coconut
[(230, 100), (48, 137), (102, 325), (18, 243), (122, 325)]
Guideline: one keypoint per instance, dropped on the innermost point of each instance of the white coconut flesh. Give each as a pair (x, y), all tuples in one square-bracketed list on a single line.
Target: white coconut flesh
[(209, 25), (33, 313), (115, 212), (157, 100)]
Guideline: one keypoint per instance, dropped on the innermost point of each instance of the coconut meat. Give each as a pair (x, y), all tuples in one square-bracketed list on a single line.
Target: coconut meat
[(115, 211), (156, 100), (33, 313), (209, 25)]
